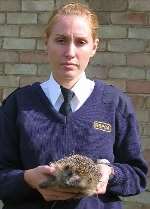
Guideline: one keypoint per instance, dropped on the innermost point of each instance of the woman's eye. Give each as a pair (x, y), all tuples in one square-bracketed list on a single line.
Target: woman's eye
[(81, 42), (60, 41)]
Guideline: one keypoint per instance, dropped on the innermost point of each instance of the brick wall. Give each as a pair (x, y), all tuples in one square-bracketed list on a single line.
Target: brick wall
[(123, 58)]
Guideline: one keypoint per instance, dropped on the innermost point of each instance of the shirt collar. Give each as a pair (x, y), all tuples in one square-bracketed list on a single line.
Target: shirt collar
[(54, 89), (83, 88), (78, 89)]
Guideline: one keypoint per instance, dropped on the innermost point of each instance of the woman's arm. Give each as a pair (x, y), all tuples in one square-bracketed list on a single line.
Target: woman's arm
[(129, 167), (12, 184)]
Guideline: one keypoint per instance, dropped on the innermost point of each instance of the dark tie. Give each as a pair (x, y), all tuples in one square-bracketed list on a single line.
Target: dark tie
[(65, 108)]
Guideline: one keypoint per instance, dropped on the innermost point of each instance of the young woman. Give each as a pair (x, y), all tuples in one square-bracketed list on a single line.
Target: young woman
[(99, 122)]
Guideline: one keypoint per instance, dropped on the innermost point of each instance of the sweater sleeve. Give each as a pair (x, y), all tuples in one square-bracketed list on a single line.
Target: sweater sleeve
[(13, 188), (129, 165)]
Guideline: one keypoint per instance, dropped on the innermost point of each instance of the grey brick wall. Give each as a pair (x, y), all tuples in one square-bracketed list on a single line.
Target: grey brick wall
[(123, 58)]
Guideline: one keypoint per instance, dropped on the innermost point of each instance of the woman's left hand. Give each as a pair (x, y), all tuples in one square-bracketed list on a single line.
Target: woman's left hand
[(105, 171)]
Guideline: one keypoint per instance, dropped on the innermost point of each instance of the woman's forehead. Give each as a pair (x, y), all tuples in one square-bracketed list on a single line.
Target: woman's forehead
[(71, 24)]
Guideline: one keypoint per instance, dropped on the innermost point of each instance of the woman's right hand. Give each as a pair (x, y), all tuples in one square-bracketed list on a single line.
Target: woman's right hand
[(39, 174)]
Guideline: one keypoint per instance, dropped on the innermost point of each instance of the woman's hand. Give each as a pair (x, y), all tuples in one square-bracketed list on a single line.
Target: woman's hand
[(39, 174), (105, 171), (56, 194)]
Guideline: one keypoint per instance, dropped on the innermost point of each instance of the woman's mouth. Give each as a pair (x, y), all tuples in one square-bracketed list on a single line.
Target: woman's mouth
[(69, 65)]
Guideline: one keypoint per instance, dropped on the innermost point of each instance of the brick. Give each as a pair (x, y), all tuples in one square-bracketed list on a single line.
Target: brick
[(131, 205), (9, 81), (147, 103), (96, 72), (2, 18), (138, 5), (25, 69), (147, 48), (147, 206), (145, 143), (140, 60), (7, 92), (148, 75), (62, 2), (44, 69), (103, 18), (41, 45), (127, 73), (14, 43), (29, 57), (40, 5), (147, 158), (102, 45), (139, 33), (143, 115), (135, 205), (147, 130), (9, 5), (142, 198), (21, 18), (126, 45), (134, 18), (148, 19), (1, 94), (112, 31), (109, 5), (140, 87), (116, 82), (9, 30), (109, 59), (27, 80), (43, 17), (1, 42), (30, 31), (8, 56), (1, 69), (141, 129), (138, 101)]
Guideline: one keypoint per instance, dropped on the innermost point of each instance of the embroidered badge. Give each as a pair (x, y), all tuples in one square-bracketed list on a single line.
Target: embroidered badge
[(102, 126)]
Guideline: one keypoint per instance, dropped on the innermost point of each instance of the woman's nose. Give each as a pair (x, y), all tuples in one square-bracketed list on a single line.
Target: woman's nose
[(70, 50)]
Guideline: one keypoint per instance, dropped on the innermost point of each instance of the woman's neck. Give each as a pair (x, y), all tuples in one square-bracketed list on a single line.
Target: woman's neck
[(67, 83)]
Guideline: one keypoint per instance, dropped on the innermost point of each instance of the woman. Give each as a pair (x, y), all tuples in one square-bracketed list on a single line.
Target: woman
[(36, 127)]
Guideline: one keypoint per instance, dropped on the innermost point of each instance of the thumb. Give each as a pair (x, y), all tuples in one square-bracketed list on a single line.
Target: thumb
[(48, 169)]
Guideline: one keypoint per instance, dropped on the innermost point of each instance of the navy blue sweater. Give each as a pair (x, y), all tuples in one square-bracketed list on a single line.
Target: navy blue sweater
[(33, 133)]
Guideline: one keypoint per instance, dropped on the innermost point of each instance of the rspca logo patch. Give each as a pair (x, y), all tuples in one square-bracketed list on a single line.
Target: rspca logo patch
[(102, 126)]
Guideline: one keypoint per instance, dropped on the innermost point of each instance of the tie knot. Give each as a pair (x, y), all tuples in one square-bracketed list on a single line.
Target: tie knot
[(67, 94)]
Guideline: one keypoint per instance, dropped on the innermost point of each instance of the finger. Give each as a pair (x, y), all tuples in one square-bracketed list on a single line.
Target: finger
[(101, 187), (66, 190), (59, 197), (49, 169)]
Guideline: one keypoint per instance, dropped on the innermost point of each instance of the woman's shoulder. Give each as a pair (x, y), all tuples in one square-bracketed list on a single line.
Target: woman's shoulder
[(19, 93), (110, 91), (116, 96)]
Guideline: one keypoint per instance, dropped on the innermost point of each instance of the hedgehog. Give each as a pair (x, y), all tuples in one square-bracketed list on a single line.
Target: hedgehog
[(77, 173)]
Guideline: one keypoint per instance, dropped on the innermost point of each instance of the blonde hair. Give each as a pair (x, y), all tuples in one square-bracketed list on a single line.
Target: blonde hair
[(73, 9)]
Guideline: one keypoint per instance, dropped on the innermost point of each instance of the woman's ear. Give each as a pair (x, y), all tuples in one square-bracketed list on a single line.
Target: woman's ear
[(95, 46)]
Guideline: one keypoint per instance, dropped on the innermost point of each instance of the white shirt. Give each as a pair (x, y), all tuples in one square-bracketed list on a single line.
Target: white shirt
[(82, 90)]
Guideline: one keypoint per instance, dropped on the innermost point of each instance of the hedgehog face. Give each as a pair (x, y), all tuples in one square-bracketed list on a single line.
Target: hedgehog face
[(70, 176)]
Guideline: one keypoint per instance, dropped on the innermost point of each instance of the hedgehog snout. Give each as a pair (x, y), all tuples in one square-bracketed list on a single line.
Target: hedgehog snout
[(74, 180)]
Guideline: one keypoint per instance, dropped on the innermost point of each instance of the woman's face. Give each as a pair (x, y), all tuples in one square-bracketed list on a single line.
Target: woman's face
[(70, 46)]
